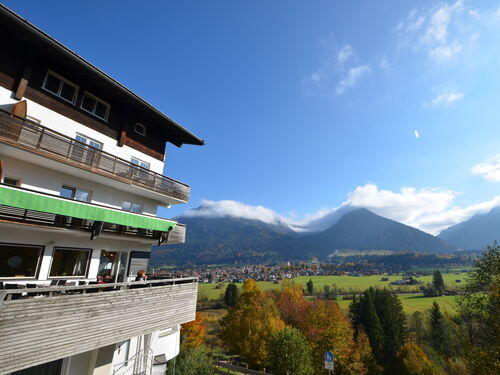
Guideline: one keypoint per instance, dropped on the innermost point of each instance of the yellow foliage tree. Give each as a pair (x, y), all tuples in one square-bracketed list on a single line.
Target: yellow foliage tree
[(411, 360), (246, 327)]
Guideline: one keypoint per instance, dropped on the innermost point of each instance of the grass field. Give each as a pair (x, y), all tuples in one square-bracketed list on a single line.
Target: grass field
[(347, 283), (411, 302), (416, 302)]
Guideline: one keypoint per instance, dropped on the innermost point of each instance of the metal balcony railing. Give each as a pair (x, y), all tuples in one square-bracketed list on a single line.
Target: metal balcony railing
[(36, 138)]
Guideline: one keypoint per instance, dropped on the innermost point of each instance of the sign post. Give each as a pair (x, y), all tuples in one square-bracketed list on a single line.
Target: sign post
[(329, 358)]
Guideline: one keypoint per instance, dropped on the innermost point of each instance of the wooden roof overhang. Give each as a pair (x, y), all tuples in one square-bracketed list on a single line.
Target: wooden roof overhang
[(43, 45)]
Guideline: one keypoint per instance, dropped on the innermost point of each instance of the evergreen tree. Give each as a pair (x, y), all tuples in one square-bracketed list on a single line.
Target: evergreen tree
[(438, 282), (231, 295), (437, 328), (310, 287), (380, 314), (289, 353), (479, 309)]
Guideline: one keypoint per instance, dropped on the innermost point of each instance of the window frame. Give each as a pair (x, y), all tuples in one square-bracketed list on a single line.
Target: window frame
[(63, 80), (131, 205), (139, 164), (107, 105), (87, 265), (140, 126), (18, 179), (38, 265), (75, 189), (88, 140)]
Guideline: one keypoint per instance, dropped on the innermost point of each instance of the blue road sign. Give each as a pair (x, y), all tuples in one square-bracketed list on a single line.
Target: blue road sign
[(329, 357)]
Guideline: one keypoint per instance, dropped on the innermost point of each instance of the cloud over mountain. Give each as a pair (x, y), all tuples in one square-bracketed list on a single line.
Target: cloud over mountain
[(489, 169), (428, 209)]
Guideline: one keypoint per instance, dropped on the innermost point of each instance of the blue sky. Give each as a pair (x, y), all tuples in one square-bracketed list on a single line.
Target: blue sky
[(310, 106)]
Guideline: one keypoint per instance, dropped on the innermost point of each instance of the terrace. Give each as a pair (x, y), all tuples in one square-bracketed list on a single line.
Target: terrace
[(35, 138), (48, 323)]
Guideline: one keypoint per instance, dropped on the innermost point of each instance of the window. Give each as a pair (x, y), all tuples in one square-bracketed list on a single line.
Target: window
[(12, 181), (83, 153), (139, 163), (88, 141), (68, 262), (19, 260), (132, 207), (140, 129), (76, 194), (61, 87), (96, 106)]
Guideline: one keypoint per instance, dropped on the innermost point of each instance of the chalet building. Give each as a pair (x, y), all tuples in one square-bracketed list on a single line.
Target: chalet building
[(81, 168)]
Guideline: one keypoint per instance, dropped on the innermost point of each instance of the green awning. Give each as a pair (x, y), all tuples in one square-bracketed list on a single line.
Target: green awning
[(38, 202)]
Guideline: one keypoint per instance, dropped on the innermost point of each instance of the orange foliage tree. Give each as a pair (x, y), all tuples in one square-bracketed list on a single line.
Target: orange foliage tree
[(248, 325), (292, 304), (194, 332)]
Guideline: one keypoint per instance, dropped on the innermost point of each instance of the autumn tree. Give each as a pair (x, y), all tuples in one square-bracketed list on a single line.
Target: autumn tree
[(246, 327), (194, 332), (327, 328), (292, 304), (231, 295), (411, 360), (289, 353)]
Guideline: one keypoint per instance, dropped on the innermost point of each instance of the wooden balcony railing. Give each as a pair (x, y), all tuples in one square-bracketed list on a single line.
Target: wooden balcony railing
[(31, 136), (46, 324)]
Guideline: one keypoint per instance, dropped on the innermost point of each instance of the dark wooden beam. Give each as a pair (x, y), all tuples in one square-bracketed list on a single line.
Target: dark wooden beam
[(23, 82)]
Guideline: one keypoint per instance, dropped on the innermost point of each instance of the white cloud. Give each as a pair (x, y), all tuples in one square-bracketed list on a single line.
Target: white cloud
[(342, 70), (352, 77), (490, 169), (443, 53), (235, 209), (442, 31), (383, 63), (447, 96), (344, 54), (429, 209), (417, 134)]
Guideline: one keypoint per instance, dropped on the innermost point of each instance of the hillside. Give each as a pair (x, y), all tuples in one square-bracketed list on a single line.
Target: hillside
[(475, 233), (235, 240)]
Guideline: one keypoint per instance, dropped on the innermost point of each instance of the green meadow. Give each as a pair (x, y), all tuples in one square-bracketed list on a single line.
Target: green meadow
[(411, 302)]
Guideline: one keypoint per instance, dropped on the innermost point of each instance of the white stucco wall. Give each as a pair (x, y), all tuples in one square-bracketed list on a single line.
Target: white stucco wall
[(50, 181)]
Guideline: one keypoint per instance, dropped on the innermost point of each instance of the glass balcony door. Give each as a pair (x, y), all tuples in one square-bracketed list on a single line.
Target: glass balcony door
[(112, 266), (81, 152)]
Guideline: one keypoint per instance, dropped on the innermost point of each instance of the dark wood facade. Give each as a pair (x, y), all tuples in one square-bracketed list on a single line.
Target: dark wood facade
[(27, 55)]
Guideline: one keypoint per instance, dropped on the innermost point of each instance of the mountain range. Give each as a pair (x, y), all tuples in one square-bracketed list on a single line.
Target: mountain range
[(475, 233), (229, 239)]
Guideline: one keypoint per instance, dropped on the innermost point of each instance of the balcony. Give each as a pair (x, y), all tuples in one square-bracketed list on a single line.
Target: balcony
[(46, 324), (30, 136), (18, 205)]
